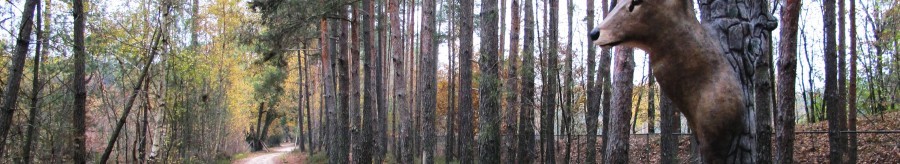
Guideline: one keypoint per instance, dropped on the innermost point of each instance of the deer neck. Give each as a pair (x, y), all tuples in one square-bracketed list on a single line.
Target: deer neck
[(686, 60)]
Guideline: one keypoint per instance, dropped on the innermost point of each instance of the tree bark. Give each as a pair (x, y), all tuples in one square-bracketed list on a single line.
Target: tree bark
[(787, 74), (35, 109), (137, 89), (593, 98), (512, 85), (342, 114), (842, 78), (764, 105), (525, 138), (400, 97), (489, 85), (746, 39), (467, 130), (617, 147), (381, 120), (851, 97), (832, 97), (369, 107), (300, 99), (671, 124), (427, 84), (332, 94), (550, 85), (16, 71), (604, 77), (570, 82), (651, 101), (355, 106)]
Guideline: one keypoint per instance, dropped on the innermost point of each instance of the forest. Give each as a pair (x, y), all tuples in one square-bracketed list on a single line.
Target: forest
[(439, 81)]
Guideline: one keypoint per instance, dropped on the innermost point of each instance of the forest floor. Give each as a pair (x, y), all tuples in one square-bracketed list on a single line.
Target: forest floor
[(271, 156), (808, 147)]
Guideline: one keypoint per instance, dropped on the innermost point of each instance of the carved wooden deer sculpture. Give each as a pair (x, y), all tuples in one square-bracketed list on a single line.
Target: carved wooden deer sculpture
[(689, 66)]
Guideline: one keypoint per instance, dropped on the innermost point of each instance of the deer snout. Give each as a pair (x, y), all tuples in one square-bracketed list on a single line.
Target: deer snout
[(595, 33)]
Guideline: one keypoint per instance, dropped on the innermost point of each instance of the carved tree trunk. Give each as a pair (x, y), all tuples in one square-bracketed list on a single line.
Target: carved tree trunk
[(787, 74), (525, 138), (617, 147), (744, 29)]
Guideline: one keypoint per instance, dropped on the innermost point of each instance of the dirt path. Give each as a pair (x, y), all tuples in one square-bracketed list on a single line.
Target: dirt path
[(270, 157)]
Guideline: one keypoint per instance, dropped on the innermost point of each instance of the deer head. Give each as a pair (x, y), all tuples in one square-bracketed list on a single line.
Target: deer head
[(638, 23)]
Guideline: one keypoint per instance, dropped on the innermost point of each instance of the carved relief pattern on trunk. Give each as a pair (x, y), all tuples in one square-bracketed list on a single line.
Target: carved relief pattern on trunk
[(744, 27)]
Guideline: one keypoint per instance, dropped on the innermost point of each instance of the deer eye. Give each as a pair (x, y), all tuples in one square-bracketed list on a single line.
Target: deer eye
[(634, 3)]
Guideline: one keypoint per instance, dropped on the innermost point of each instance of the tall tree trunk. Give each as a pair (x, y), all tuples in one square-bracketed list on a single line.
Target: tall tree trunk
[(851, 97), (670, 124), (135, 91), (256, 143), (16, 71), (525, 138), (301, 96), (651, 101), (832, 97), (450, 142), (427, 84), (842, 78), (35, 109), (604, 77), (617, 147), (593, 98), (787, 74), (512, 85), (355, 107), (550, 85), (570, 82), (467, 130), (489, 86), (746, 39), (306, 93), (333, 95), (369, 107), (354, 113), (400, 97), (380, 100), (764, 105), (342, 114)]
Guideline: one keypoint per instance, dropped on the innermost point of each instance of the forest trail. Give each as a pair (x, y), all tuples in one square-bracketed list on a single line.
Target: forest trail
[(270, 157)]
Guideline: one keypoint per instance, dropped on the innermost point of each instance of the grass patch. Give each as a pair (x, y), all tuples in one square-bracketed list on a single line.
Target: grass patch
[(239, 156), (320, 157)]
